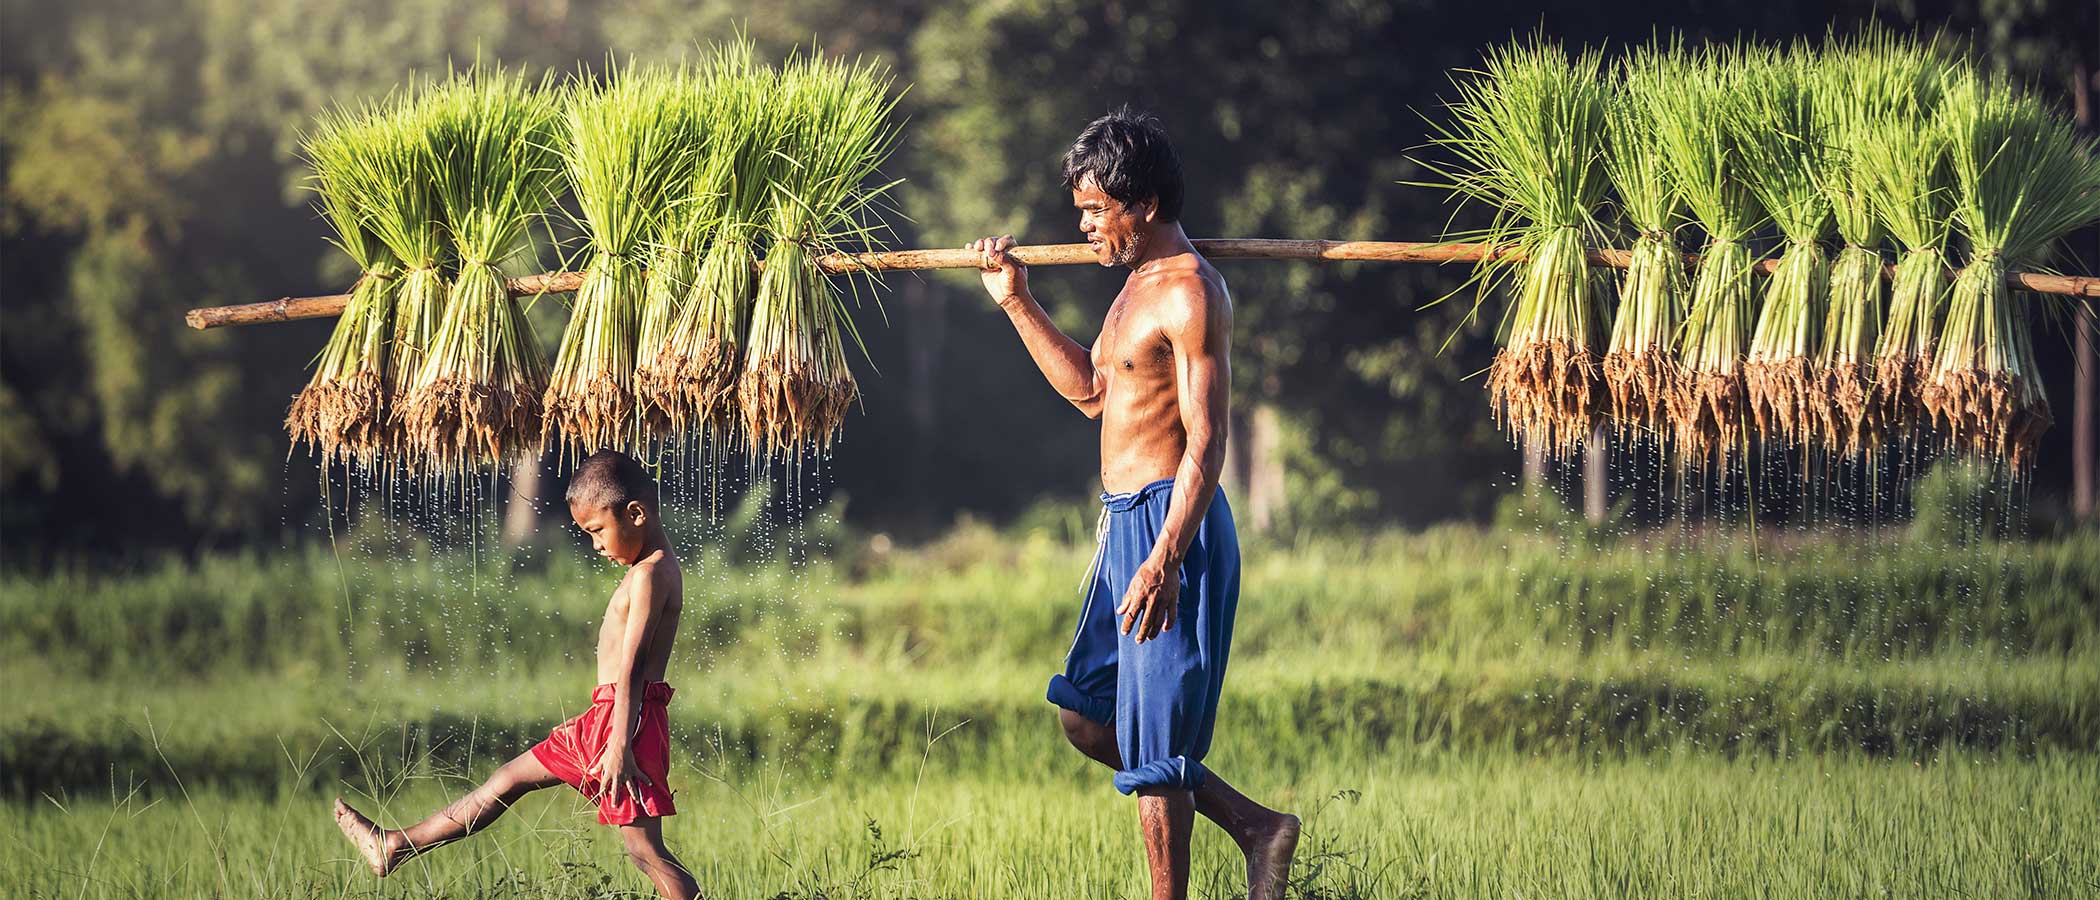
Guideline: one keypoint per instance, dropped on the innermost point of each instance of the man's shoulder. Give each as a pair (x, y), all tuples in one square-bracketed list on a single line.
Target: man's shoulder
[(1187, 294)]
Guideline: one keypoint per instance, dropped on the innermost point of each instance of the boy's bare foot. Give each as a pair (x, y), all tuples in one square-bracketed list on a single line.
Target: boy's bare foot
[(369, 839), (1269, 855)]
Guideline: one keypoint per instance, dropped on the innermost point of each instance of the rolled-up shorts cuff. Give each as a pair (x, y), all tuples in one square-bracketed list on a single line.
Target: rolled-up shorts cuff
[(1172, 772), (1068, 695)]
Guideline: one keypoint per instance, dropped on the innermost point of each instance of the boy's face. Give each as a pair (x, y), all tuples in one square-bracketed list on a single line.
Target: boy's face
[(616, 533)]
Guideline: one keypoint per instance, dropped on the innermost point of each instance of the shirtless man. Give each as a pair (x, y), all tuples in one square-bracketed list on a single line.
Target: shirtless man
[(622, 769), (1140, 688)]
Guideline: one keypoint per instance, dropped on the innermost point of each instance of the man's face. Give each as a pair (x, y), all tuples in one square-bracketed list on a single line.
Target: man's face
[(1116, 234), (617, 534)]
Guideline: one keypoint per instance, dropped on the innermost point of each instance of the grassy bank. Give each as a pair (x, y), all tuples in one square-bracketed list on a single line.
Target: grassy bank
[(1450, 640), (1457, 827), (1499, 713)]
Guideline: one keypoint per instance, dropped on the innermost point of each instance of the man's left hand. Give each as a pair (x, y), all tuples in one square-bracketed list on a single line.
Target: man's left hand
[(1150, 602)]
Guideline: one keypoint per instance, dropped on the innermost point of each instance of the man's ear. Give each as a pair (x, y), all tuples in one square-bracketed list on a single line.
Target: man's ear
[(637, 513), (1151, 211)]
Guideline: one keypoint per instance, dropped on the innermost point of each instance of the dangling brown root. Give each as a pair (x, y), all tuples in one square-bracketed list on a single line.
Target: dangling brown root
[(595, 415), (1641, 384), (1989, 414), (1707, 412), (453, 425), (789, 407), (1782, 398), (1851, 420), (342, 418), (1540, 391)]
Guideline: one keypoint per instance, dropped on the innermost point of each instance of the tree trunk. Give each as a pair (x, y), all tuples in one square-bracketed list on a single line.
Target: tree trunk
[(1534, 465), (521, 515), (1254, 475), (1596, 476), (1265, 489)]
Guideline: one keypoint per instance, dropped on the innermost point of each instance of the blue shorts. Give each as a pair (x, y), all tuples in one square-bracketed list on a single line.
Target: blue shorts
[(1161, 695)]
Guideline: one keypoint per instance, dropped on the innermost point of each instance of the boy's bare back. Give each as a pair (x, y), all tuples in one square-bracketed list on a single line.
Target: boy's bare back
[(655, 579)]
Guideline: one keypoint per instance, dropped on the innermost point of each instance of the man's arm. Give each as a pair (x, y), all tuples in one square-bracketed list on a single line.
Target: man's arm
[(616, 766), (1199, 328), (1068, 366)]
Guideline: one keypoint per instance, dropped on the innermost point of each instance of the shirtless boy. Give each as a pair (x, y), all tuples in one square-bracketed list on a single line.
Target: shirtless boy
[(623, 769), (1140, 687)]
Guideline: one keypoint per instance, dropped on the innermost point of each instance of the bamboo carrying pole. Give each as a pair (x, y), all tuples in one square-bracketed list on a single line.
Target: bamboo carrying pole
[(293, 308)]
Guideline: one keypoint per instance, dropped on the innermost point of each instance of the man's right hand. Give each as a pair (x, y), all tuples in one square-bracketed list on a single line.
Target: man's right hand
[(1004, 278)]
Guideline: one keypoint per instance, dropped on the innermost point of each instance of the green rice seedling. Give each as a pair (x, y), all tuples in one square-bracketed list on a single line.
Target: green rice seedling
[(1785, 156), (692, 377), (476, 400), (2023, 178), (630, 151), (399, 190), (1706, 167), (1858, 85), (673, 252), (1906, 182), (1641, 369), (1529, 136), (795, 388), (341, 413)]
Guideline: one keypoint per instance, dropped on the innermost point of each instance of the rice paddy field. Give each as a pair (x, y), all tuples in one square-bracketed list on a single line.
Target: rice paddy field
[(1460, 712)]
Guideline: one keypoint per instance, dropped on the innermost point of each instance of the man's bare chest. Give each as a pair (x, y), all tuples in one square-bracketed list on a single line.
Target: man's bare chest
[(1132, 347)]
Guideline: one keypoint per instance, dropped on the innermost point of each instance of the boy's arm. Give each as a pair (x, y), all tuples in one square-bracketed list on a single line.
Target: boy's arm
[(617, 764)]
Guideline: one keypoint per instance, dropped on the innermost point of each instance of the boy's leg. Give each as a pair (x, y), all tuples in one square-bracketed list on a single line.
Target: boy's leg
[(385, 849), (1265, 836), (645, 848)]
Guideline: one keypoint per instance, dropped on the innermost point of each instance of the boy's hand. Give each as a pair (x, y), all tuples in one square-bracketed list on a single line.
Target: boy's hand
[(617, 773)]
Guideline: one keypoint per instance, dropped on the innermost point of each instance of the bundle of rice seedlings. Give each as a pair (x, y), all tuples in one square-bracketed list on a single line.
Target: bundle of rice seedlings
[(398, 188), (1529, 135), (691, 373), (476, 398), (1641, 368), (1706, 167), (1785, 155), (673, 259), (1858, 85), (1907, 183), (2023, 178), (795, 388), (340, 413), (629, 152)]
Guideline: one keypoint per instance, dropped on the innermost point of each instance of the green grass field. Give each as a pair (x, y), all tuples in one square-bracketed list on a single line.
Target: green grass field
[(1459, 713)]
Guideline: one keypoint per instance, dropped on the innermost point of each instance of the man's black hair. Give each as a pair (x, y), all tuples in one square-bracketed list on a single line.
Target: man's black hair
[(1130, 159), (608, 479)]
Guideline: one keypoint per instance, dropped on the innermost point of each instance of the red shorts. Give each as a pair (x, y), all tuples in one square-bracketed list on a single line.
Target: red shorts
[(573, 746)]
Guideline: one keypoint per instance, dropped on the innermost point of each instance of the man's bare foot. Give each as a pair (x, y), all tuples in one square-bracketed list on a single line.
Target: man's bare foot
[(1269, 854), (372, 842)]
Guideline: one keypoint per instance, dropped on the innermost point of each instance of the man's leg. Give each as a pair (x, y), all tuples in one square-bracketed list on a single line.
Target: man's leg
[(1165, 817), (385, 849), (1265, 836), (645, 848)]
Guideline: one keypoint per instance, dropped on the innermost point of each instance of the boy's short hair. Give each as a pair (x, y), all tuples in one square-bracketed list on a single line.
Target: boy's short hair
[(608, 479), (1130, 159)]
